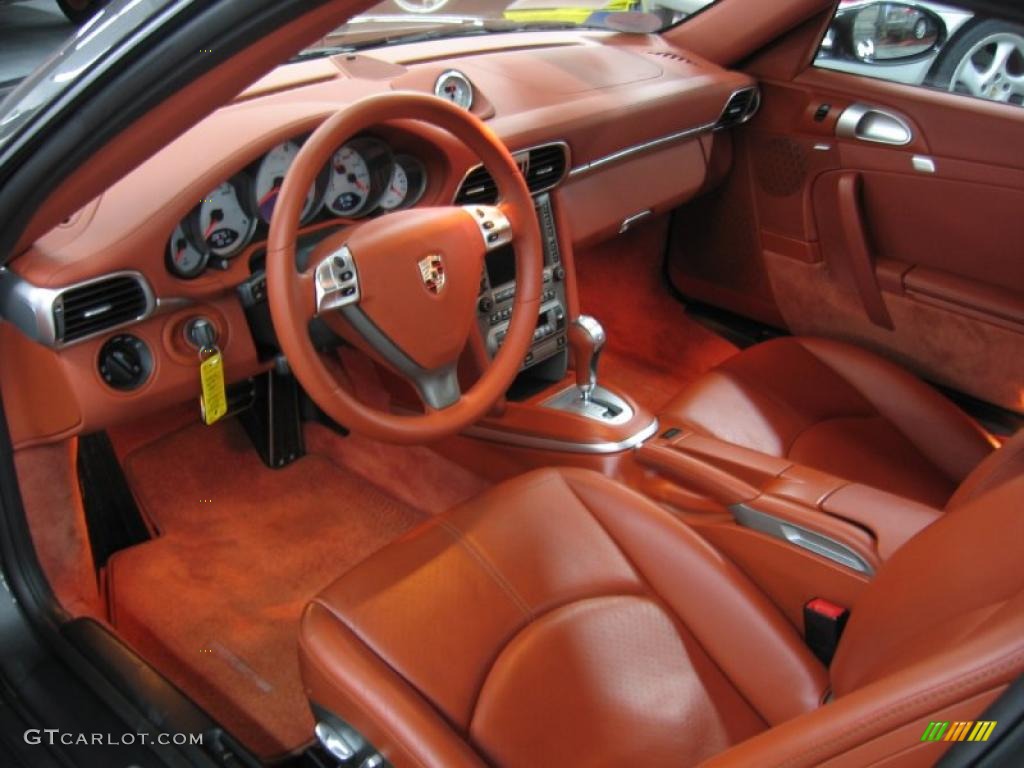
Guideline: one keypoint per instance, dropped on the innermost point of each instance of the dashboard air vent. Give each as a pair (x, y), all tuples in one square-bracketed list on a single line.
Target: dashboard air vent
[(542, 167), (99, 305), (478, 188), (546, 167), (741, 107)]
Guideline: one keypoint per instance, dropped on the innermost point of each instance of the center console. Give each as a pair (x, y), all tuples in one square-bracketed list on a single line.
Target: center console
[(498, 290), (548, 407)]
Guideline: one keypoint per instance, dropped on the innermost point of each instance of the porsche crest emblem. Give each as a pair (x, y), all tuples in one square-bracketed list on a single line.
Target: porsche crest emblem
[(432, 272)]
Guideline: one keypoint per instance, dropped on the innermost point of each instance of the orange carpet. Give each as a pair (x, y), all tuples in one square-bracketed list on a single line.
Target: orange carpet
[(654, 349), (214, 601)]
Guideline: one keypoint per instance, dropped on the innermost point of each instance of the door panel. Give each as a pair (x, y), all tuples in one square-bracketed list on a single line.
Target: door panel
[(865, 242)]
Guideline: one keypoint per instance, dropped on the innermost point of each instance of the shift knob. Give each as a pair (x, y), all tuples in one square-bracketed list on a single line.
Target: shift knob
[(586, 339)]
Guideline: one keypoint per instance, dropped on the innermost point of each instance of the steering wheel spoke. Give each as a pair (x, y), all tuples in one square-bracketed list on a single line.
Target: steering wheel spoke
[(495, 227), (335, 282), (439, 389)]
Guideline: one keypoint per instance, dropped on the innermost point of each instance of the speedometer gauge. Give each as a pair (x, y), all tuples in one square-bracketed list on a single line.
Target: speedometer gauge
[(270, 176), (222, 222), (184, 259), (406, 185)]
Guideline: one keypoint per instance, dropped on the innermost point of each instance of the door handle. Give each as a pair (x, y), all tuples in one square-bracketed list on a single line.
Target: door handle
[(859, 121)]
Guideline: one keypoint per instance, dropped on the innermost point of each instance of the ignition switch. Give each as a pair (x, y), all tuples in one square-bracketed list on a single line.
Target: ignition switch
[(201, 333)]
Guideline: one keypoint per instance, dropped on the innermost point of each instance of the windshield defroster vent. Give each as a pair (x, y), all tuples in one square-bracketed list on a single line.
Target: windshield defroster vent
[(542, 167), (99, 305)]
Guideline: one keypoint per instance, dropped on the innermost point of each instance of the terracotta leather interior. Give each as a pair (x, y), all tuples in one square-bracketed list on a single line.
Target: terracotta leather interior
[(839, 409), (539, 649), (594, 608)]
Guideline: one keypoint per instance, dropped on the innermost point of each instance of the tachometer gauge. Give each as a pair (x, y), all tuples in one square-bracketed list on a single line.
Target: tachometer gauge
[(406, 185), (184, 259), (222, 223), (356, 176), (270, 176)]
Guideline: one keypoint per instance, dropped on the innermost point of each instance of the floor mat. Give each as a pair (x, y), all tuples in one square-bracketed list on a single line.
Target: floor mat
[(654, 349), (415, 474), (214, 601)]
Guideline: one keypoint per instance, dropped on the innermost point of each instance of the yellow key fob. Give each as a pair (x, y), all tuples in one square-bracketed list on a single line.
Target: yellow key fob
[(214, 401)]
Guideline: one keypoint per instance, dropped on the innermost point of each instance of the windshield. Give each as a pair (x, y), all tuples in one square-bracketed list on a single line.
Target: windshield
[(401, 21), (97, 44)]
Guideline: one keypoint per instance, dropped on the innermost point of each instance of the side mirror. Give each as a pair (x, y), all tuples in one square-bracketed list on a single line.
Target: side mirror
[(883, 32)]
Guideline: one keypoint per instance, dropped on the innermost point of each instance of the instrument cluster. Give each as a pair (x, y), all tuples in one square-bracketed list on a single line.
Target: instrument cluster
[(364, 177)]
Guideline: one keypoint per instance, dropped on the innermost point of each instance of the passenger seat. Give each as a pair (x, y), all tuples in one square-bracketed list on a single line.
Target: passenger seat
[(846, 411)]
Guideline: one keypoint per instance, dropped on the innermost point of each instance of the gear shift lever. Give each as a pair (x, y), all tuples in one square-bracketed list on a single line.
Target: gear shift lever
[(586, 338)]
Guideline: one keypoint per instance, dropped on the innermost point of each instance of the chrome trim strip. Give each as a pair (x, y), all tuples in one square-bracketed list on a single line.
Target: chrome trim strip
[(636, 149), (564, 446), (671, 138), (30, 307), (516, 153), (812, 541)]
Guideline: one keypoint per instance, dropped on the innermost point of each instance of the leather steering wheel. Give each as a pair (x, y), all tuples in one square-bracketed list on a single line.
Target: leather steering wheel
[(404, 286)]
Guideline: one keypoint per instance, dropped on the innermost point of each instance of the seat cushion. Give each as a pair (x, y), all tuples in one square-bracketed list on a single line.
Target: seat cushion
[(559, 619), (840, 409)]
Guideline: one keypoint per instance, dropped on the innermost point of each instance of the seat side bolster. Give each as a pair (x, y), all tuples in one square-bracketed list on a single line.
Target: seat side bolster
[(747, 636), (943, 433), (342, 675), (1000, 467)]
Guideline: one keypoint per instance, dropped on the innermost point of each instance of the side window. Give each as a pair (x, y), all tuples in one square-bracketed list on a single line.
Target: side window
[(928, 44)]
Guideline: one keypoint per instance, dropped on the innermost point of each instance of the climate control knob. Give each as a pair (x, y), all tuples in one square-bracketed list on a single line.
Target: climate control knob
[(485, 305)]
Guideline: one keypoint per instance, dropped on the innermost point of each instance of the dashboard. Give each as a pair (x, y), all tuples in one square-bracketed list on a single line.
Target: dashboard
[(607, 129)]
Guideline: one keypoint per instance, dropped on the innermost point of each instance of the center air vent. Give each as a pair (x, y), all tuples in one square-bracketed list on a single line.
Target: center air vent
[(99, 305), (741, 107), (542, 167)]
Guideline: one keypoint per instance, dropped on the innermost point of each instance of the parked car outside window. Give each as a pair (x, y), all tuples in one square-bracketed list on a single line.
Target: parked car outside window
[(930, 44)]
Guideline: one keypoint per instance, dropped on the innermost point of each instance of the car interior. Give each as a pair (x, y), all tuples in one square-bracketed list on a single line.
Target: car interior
[(563, 396)]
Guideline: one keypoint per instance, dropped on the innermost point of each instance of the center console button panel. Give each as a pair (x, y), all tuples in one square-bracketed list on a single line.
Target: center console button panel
[(498, 291)]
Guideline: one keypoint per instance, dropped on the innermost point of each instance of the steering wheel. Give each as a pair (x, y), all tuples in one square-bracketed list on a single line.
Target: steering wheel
[(404, 286)]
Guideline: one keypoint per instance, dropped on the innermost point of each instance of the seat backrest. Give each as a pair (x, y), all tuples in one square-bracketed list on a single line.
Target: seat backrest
[(999, 467), (937, 635)]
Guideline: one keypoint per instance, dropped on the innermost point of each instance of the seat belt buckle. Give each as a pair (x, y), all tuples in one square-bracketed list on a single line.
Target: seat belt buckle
[(823, 625)]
